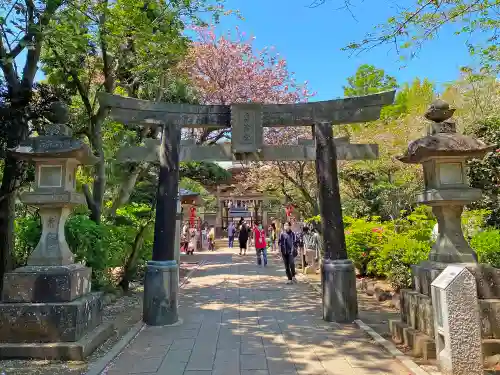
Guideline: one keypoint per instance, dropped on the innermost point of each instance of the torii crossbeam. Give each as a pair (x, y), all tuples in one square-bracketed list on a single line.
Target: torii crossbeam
[(247, 121)]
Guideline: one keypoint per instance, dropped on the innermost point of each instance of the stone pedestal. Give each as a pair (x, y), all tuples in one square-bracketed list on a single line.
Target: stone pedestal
[(340, 302), (161, 287), (48, 312), (50, 284)]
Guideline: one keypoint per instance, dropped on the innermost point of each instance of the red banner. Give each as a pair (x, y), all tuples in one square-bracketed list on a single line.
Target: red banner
[(192, 216)]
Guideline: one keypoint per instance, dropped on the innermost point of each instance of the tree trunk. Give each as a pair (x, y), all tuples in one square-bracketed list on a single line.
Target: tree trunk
[(126, 188), (98, 190), (12, 173), (7, 214), (96, 199), (131, 265)]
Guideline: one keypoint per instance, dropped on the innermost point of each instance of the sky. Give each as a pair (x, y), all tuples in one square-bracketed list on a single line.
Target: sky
[(310, 39)]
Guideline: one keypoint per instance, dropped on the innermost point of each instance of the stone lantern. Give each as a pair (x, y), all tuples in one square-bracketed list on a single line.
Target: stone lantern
[(56, 156), (443, 154), (49, 300)]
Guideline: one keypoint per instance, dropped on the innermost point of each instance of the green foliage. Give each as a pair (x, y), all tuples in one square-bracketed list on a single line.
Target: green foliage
[(27, 230), (473, 221), (420, 21), (369, 80), (483, 173), (363, 241), (206, 173), (410, 99), (397, 255), (486, 245), (101, 247)]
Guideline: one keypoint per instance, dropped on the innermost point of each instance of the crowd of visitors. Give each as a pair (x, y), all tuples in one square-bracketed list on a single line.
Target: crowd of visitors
[(292, 242)]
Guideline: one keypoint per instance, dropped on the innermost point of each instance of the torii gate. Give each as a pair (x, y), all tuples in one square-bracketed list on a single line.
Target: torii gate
[(247, 121)]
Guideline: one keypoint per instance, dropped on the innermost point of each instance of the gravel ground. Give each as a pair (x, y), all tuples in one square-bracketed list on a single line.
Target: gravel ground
[(125, 311)]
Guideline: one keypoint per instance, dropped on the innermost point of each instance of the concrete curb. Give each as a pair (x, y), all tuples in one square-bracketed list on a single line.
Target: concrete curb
[(103, 363), (391, 348)]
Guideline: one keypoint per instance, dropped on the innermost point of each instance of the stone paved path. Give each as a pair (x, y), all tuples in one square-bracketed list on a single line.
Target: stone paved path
[(239, 319)]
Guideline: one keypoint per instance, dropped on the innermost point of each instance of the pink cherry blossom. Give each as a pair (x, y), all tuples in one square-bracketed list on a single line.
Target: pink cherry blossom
[(229, 69)]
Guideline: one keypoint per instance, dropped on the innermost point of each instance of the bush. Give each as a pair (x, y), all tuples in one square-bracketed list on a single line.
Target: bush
[(473, 221), (27, 234), (396, 256), (363, 240), (487, 246), (101, 247)]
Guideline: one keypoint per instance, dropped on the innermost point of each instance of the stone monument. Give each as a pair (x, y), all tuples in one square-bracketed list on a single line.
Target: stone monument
[(48, 309), (443, 154), (456, 322)]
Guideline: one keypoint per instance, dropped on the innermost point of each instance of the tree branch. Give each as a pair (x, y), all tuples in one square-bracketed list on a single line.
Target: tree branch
[(74, 75), (33, 55), (88, 197)]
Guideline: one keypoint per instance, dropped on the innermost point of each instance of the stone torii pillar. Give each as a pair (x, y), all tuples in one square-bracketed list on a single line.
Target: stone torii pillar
[(247, 121)]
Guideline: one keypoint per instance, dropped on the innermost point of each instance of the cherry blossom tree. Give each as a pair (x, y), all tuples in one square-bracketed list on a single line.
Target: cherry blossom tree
[(227, 70)]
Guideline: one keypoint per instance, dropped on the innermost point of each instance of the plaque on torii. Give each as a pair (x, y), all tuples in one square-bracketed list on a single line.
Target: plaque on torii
[(247, 122)]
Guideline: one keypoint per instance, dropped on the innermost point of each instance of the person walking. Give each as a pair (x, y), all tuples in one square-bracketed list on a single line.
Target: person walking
[(288, 246), (243, 238), (273, 235), (260, 244), (231, 231), (300, 243), (211, 239)]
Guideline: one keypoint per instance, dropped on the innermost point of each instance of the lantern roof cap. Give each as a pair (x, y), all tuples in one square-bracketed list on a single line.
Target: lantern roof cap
[(56, 142), (444, 145), (442, 139)]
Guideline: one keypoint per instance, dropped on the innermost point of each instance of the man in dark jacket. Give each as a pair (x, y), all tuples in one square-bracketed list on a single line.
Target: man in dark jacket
[(288, 247)]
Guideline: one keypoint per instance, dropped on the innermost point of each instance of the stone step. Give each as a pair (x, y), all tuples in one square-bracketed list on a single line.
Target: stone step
[(65, 351), (423, 346), (417, 312)]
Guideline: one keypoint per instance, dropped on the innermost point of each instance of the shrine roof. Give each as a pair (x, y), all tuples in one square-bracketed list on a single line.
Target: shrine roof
[(187, 193)]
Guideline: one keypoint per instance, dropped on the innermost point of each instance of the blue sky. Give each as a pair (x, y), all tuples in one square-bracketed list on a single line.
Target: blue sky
[(311, 40)]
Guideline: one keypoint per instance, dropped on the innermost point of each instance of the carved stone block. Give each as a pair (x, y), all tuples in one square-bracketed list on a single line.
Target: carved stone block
[(50, 322), (46, 283), (490, 318)]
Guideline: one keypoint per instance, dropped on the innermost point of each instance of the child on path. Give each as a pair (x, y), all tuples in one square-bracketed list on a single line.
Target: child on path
[(260, 244), (211, 239)]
